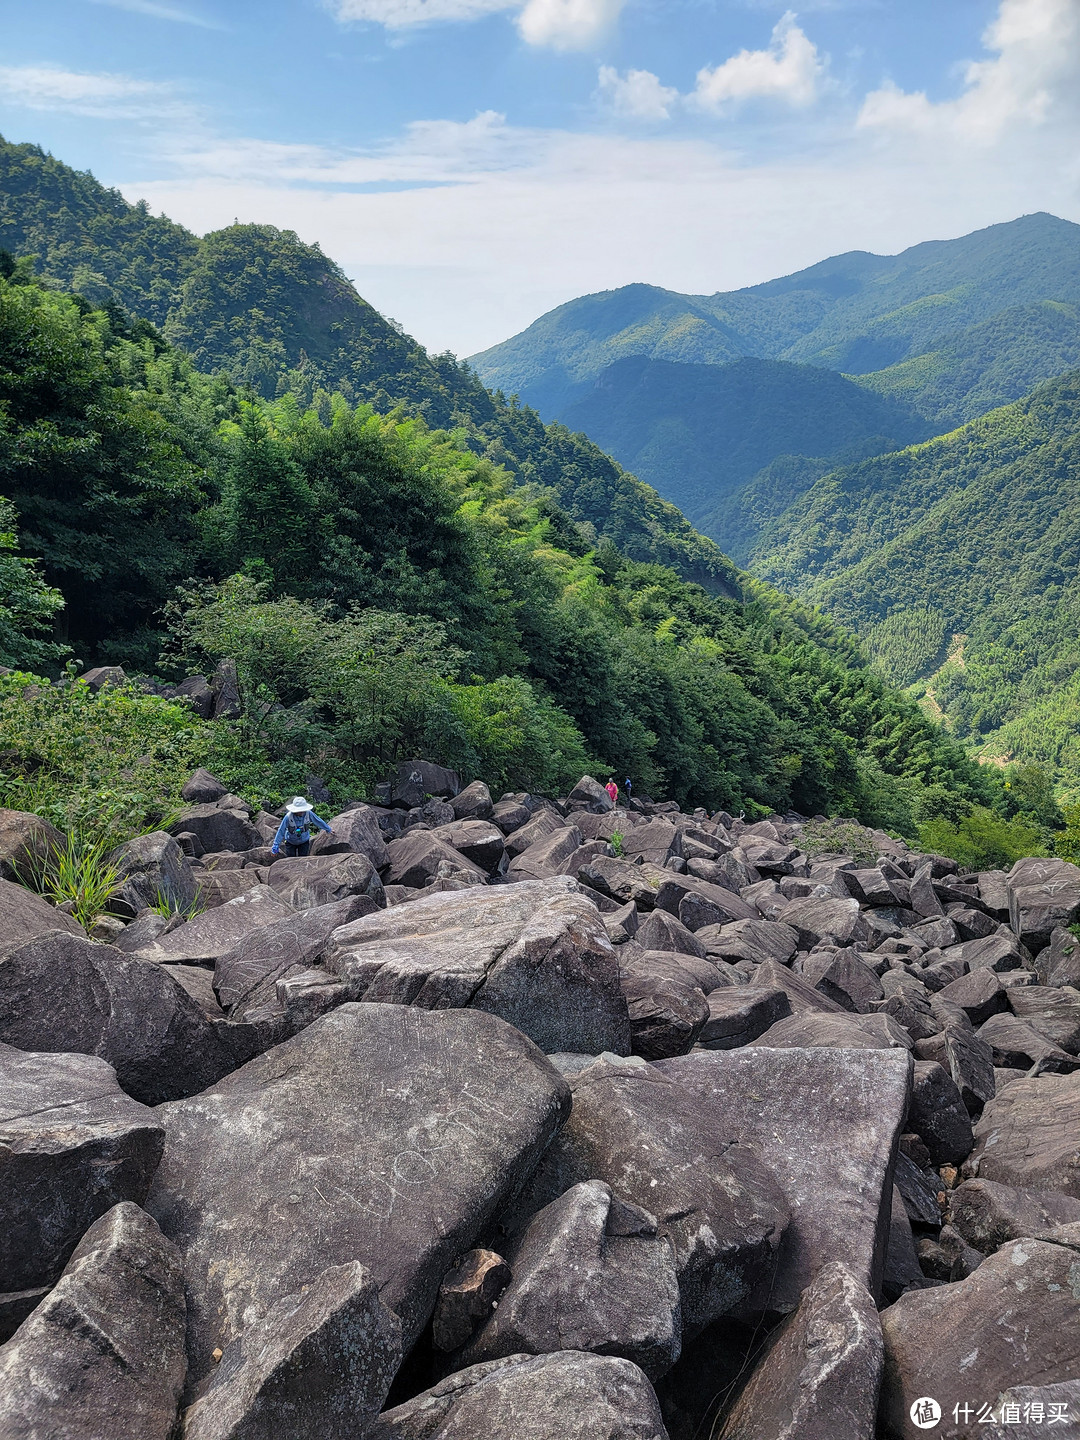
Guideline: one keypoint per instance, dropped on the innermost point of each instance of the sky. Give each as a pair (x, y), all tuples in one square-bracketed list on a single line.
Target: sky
[(472, 164)]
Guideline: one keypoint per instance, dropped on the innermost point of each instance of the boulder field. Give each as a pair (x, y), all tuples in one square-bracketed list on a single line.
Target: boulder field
[(533, 1119)]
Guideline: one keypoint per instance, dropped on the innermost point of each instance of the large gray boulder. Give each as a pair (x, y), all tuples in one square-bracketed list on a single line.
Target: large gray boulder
[(821, 1374), (26, 844), (939, 1116), (478, 840), (152, 870), (824, 921), (656, 1145), (473, 803), (24, 915), (988, 1214), (203, 789), (418, 858), (752, 940), (72, 1145), (418, 779), (532, 1397), (592, 795), (826, 1123), (318, 1366), (356, 829), (546, 856), (102, 1356), (1027, 1135), (59, 993), (217, 827), (666, 1015), (1014, 1321), (381, 1134), (247, 975), (1059, 962), (836, 1032), (1053, 1012), (622, 880), (590, 1272), (534, 953), (1043, 895), (739, 1014), (203, 940), (305, 882)]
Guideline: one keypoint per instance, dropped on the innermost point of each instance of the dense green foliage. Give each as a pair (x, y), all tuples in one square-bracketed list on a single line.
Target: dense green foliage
[(855, 313), (700, 432), (987, 366), (264, 309), (957, 561), (384, 589), (28, 607)]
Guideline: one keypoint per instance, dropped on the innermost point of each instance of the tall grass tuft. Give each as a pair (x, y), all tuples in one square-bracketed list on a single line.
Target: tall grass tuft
[(78, 876)]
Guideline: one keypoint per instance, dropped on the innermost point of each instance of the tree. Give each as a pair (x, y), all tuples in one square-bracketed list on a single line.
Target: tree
[(27, 604), (267, 511)]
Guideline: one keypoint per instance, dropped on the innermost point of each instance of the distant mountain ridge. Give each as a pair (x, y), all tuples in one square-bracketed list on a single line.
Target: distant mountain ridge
[(700, 432), (856, 313)]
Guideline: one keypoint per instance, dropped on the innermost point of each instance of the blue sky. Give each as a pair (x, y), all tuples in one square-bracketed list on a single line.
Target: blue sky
[(472, 163)]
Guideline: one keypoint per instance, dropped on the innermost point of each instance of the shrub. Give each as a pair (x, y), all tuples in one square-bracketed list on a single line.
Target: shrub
[(982, 840)]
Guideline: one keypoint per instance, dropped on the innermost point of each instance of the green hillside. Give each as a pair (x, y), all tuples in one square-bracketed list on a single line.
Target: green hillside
[(857, 313), (958, 562), (270, 312), (986, 366), (699, 432), (386, 591)]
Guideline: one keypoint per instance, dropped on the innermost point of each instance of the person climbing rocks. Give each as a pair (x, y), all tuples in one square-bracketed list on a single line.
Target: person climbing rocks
[(612, 790), (628, 787), (294, 832)]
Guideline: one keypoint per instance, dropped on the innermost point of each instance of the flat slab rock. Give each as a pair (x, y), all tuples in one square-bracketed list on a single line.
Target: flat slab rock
[(535, 953), (821, 1374), (1027, 1135), (383, 1134), (102, 1356), (652, 1141), (317, 1367), (826, 1123), (532, 1397), (205, 939), (1014, 1321), (72, 1145)]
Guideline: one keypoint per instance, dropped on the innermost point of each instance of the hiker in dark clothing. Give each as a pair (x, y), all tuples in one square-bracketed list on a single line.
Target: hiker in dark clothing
[(628, 787), (294, 832)]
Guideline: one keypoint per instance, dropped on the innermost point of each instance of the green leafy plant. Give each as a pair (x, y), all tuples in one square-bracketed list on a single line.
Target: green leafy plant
[(168, 906), (839, 837), (79, 876), (617, 842), (982, 840)]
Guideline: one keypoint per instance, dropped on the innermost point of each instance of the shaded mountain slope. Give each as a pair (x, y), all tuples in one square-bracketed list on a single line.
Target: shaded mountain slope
[(698, 432)]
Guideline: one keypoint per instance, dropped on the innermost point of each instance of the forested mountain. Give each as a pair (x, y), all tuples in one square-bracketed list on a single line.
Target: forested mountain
[(987, 365), (958, 562), (700, 432), (263, 309), (383, 589), (856, 313)]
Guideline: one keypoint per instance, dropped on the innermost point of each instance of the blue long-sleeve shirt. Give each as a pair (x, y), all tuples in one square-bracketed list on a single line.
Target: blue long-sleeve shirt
[(301, 833)]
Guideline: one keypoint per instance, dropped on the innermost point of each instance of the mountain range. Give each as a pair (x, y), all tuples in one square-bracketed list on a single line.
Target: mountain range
[(891, 440)]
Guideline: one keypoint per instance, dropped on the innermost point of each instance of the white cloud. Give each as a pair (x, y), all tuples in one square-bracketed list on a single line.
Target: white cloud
[(101, 96), (162, 12), (561, 24), (791, 70), (637, 95), (1035, 69), (568, 24), (401, 14)]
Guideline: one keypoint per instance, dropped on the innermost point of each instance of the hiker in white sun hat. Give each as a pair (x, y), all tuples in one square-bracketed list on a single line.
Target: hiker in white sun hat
[(294, 832)]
